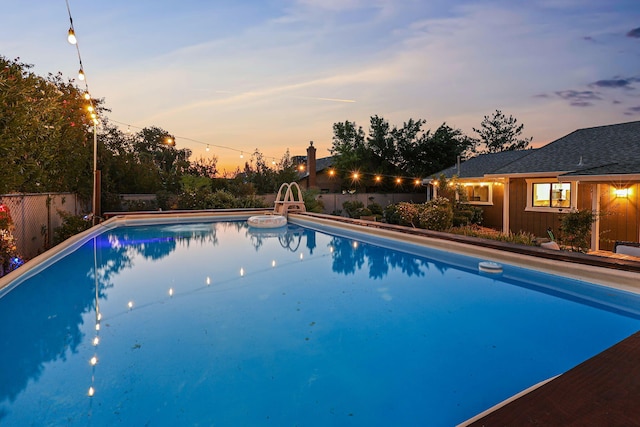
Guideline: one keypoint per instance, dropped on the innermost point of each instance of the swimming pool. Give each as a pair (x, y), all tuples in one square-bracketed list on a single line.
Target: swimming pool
[(213, 323)]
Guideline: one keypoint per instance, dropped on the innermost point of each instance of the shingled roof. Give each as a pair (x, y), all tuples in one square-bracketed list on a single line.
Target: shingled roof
[(478, 166), (321, 164), (602, 150)]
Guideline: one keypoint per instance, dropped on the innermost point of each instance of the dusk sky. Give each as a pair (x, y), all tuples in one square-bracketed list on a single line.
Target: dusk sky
[(276, 74)]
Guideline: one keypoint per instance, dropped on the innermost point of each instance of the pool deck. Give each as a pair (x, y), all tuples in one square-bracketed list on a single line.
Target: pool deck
[(602, 391)]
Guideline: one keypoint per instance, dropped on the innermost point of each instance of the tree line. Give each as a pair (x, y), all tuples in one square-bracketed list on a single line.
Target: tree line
[(46, 145), (412, 151)]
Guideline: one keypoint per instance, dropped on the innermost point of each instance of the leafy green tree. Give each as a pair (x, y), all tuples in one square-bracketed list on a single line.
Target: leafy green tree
[(500, 133), (395, 151), (443, 148), (258, 172), (286, 170), (204, 167), (45, 132), (348, 147)]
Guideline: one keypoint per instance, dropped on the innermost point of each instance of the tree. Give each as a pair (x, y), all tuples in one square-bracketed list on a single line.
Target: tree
[(286, 170), (443, 149), (45, 132), (396, 151), (260, 174), (348, 146), (204, 167), (382, 145), (500, 133)]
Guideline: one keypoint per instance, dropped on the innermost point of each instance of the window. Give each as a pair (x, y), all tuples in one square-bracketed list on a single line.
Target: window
[(547, 195), (479, 194)]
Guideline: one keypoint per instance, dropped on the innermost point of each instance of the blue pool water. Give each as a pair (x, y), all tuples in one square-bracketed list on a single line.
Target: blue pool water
[(216, 324)]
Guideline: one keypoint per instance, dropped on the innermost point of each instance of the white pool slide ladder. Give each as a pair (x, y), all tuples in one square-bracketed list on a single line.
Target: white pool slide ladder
[(287, 201)]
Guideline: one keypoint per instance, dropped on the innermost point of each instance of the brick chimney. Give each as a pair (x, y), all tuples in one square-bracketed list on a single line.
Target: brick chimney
[(311, 165)]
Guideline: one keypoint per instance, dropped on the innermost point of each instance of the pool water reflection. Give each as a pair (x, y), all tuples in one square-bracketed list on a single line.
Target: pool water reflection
[(218, 324)]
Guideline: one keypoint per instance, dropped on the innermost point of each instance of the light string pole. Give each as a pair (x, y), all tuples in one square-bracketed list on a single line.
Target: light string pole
[(72, 39)]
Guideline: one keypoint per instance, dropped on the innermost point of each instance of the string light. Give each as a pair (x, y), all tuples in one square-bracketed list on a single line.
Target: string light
[(71, 37), (206, 144)]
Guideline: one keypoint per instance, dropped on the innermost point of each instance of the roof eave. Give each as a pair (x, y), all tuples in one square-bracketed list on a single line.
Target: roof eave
[(607, 178), (526, 175)]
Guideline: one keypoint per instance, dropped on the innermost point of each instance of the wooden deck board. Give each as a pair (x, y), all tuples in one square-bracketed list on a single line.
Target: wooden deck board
[(602, 391)]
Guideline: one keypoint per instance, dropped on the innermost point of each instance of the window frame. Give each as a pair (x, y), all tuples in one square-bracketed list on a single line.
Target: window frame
[(573, 199), (489, 202)]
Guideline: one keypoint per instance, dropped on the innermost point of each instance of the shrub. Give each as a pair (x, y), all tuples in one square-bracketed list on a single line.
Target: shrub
[(375, 209), (391, 215), (408, 214), (465, 214), (311, 201), (436, 214), (5, 217), (353, 208), (521, 237), (71, 225), (222, 199), (250, 201), (9, 257), (575, 230)]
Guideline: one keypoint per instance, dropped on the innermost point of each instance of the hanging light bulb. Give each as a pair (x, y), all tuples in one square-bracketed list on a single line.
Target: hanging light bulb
[(71, 36), (87, 96), (207, 147), (241, 155), (81, 74)]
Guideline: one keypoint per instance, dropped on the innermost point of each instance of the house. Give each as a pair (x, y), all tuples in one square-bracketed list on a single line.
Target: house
[(595, 168), (317, 173)]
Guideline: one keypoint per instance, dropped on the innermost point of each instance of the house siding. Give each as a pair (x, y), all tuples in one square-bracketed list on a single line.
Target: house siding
[(492, 215), (324, 182), (620, 217), (536, 223)]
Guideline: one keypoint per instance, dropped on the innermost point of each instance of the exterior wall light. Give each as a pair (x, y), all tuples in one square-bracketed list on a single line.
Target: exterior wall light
[(621, 192)]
